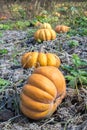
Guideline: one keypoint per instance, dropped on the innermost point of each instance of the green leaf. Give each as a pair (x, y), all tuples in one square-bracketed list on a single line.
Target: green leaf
[(31, 32), (73, 43), (73, 82), (67, 67), (83, 79), (1, 34), (74, 73), (3, 84), (69, 77), (83, 73), (3, 51), (76, 60), (1, 26)]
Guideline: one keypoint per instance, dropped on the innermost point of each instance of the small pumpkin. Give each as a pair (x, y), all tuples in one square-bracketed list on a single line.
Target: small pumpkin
[(43, 93), (35, 59), (85, 13), (3, 18), (38, 24), (46, 25), (45, 34), (62, 29), (57, 14)]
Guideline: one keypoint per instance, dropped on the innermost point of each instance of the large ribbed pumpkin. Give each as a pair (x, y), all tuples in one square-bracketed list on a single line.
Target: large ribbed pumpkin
[(43, 93), (35, 59), (62, 29), (45, 34)]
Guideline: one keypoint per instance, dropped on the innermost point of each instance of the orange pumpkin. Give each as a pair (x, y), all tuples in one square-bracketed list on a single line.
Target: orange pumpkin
[(62, 29), (35, 59), (45, 34), (46, 25), (38, 24), (43, 92)]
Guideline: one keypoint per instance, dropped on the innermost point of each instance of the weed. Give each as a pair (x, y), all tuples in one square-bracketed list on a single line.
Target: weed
[(76, 74), (18, 11), (73, 43), (3, 84), (21, 25), (5, 26), (30, 32), (3, 51)]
